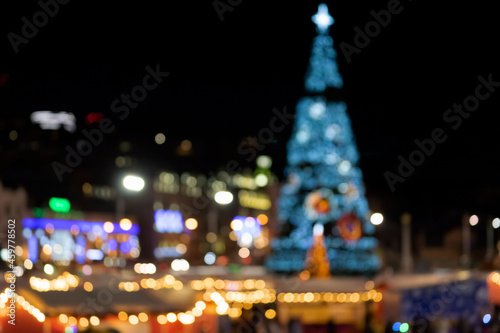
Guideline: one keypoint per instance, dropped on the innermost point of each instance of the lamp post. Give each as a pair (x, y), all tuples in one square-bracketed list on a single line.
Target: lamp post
[(130, 183), (221, 198), (490, 238), (406, 257), (467, 222)]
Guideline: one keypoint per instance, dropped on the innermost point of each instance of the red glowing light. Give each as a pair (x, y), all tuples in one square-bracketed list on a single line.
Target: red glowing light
[(246, 261), (4, 78), (222, 261), (93, 117)]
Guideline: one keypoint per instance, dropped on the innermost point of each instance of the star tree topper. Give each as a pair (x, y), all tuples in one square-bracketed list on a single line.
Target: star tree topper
[(322, 19)]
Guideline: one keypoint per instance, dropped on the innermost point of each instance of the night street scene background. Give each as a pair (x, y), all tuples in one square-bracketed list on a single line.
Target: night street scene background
[(249, 166)]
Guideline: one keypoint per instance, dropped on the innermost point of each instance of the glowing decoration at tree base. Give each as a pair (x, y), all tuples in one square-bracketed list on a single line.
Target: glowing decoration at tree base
[(317, 263), (290, 255)]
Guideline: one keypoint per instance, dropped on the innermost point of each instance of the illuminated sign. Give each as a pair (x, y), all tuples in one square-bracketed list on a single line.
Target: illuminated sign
[(169, 221), (167, 252), (83, 226), (46, 212), (81, 245), (33, 248), (244, 182), (63, 241), (246, 229), (49, 120), (94, 254), (254, 200), (59, 205)]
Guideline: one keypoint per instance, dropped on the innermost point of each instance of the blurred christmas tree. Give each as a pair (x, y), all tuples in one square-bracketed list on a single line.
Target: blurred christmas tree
[(325, 185)]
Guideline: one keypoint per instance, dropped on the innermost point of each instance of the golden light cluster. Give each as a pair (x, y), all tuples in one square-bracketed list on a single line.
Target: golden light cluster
[(32, 310), (168, 281), (270, 314), (185, 318), (63, 282), (330, 297), (129, 286), (209, 283), (231, 302), (222, 306), (495, 278), (82, 321), (149, 268), (231, 296), (254, 200), (257, 296)]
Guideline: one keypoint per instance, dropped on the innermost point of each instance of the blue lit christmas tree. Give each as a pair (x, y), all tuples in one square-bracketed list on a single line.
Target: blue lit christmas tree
[(324, 189)]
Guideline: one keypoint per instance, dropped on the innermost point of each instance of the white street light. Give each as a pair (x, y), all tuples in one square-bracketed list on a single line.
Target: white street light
[(133, 183), (376, 218), (223, 197), (473, 220), (496, 223)]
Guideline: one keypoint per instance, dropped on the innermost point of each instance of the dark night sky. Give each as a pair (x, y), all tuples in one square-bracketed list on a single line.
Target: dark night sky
[(226, 77)]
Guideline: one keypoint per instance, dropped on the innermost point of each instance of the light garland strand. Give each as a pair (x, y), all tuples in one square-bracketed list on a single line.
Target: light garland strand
[(32, 310)]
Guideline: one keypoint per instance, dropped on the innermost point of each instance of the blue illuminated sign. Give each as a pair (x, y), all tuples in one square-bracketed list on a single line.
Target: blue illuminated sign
[(81, 246), (33, 248), (125, 247), (112, 244), (84, 226), (166, 252), (169, 221), (94, 254)]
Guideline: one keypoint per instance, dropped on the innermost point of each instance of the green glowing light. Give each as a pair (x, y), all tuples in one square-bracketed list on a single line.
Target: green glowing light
[(59, 205)]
